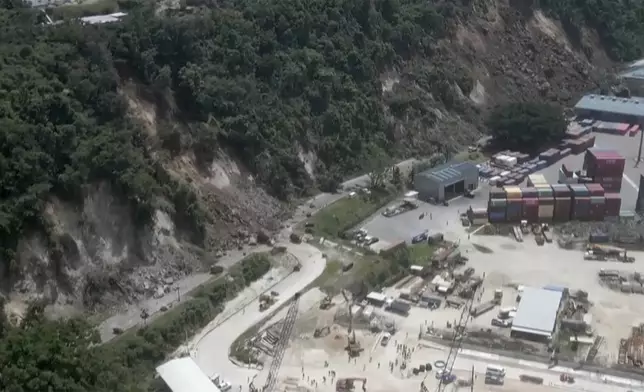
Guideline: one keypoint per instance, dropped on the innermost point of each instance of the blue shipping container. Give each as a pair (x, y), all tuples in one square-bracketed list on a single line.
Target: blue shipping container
[(599, 238), (497, 216)]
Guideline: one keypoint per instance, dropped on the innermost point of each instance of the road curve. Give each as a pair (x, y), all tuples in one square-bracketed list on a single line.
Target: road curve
[(210, 350)]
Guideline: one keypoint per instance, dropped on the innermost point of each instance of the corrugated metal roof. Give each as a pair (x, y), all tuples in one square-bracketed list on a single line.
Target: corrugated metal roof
[(537, 310), (184, 375), (448, 172), (633, 106), (637, 73)]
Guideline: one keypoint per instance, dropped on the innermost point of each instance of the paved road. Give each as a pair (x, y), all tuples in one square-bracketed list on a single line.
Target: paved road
[(210, 349), (131, 317)]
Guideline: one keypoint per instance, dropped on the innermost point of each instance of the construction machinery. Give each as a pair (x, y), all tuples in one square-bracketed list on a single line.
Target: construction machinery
[(446, 376), (266, 301), (604, 252), (321, 332), (353, 346), (326, 303), (280, 347), (348, 384)]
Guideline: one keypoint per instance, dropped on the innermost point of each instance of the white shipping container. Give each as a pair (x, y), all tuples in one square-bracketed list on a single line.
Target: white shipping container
[(546, 212), (511, 161), (494, 180), (500, 159)]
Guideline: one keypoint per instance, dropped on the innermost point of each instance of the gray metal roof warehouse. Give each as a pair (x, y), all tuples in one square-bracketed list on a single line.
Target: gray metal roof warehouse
[(537, 313), (633, 106), (448, 173)]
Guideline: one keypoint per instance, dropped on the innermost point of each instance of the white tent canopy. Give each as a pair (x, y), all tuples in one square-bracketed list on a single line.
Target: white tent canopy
[(184, 375)]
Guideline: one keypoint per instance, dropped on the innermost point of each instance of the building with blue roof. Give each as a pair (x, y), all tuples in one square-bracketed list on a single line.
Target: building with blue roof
[(446, 181), (611, 108)]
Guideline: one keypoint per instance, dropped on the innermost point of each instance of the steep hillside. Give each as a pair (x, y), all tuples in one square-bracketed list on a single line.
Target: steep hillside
[(136, 153)]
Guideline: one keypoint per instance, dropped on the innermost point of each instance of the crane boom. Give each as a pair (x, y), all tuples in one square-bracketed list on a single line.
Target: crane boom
[(282, 343), (455, 344)]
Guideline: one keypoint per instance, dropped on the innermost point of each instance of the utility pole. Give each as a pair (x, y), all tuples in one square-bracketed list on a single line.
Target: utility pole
[(472, 381), (639, 150)]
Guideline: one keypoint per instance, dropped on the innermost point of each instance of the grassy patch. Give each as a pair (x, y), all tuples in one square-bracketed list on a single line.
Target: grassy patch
[(332, 270), (421, 254), (346, 213)]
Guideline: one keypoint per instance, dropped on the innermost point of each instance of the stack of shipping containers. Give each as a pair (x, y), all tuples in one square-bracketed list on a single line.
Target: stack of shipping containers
[(547, 203), (613, 204), (580, 202), (597, 202), (497, 205), (530, 204), (514, 210), (563, 202), (605, 167)]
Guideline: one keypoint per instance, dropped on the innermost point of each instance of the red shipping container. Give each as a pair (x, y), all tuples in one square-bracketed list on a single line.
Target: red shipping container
[(613, 204), (595, 189), (604, 163), (597, 211), (634, 130), (531, 210)]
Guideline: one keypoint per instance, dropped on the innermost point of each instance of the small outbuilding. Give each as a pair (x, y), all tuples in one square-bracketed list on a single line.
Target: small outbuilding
[(536, 315), (184, 375), (376, 299), (447, 181)]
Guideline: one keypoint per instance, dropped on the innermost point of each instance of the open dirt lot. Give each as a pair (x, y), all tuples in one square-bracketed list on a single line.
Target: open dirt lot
[(315, 364)]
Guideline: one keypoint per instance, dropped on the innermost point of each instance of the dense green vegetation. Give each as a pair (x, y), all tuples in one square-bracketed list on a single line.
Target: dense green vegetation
[(618, 22), (56, 356), (270, 79), (267, 80), (526, 126)]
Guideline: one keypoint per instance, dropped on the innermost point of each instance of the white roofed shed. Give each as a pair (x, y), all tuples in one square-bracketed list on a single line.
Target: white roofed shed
[(537, 312), (184, 375)]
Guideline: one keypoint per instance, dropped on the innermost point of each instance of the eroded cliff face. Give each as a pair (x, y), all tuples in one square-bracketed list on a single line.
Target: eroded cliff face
[(96, 258)]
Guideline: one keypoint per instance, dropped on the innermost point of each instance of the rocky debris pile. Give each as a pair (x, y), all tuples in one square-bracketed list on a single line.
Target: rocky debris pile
[(629, 231)]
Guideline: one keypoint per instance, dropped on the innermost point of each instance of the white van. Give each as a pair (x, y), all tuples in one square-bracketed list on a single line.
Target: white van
[(494, 370)]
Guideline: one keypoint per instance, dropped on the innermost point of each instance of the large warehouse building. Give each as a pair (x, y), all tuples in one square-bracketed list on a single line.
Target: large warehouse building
[(446, 181), (184, 375), (612, 109), (536, 316)]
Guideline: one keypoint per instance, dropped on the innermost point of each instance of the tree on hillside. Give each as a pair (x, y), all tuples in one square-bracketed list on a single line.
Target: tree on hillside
[(55, 356), (526, 126)]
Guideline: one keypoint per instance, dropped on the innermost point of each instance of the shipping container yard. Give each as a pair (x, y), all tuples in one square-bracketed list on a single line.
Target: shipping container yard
[(543, 254)]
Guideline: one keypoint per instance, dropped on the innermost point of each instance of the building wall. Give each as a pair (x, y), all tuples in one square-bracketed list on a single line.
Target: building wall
[(610, 117), (428, 188), (431, 188), (530, 336), (471, 177)]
